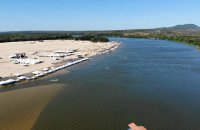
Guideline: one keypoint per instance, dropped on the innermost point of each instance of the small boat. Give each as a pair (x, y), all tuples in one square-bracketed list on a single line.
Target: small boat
[(50, 71), (34, 77), (40, 75), (20, 78), (54, 80), (7, 82), (17, 75)]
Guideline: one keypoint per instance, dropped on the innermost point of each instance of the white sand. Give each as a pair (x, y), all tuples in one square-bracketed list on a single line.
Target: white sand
[(85, 48)]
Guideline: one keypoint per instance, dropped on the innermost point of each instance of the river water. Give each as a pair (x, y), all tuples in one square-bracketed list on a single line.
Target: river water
[(154, 83)]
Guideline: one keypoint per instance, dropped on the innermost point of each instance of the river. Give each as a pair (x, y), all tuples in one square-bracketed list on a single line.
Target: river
[(154, 83)]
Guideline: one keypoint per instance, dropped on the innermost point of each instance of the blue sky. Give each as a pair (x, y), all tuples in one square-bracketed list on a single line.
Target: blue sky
[(18, 15)]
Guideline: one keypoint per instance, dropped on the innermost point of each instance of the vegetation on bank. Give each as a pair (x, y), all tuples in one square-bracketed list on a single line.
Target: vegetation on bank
[(39, 36), (188, 33), (190, 38), (194, 40), (92, 38)]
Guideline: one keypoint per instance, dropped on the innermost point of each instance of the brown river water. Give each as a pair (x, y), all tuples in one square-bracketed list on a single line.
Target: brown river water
[(154, 83)]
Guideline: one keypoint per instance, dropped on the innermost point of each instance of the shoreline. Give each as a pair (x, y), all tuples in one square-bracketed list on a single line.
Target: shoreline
[(85, 51)]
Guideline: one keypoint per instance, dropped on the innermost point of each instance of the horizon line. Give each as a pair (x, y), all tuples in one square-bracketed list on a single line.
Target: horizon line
[(91, 30)]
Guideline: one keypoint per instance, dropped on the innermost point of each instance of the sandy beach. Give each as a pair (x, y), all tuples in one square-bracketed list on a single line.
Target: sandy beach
[(38, 49)]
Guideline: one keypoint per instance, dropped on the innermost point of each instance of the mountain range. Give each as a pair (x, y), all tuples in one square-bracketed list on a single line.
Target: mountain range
[(185, 27)]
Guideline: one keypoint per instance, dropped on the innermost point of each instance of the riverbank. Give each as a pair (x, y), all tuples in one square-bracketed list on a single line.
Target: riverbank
[(50, 53)]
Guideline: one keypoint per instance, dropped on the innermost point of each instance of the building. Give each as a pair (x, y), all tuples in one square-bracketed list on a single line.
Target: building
[(18, 56)]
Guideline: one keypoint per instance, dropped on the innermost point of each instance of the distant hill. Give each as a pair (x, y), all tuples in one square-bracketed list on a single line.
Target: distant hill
[(185, 27)]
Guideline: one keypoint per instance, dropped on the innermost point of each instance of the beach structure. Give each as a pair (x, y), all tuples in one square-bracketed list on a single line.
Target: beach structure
[(56, 55), (59, 55), (33, 49), (65, 51), (55, 58), (18, 56), (80, 56), (26, 61), (25, 64), (43, 72)]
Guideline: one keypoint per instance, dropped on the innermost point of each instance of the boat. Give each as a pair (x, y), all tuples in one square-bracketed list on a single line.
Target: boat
[(54, 80), (20, 78), (40, 75), (7, 82), (33, 77), (36, 72)]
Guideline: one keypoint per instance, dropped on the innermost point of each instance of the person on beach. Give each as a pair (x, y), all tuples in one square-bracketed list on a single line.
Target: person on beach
[(133, 126)]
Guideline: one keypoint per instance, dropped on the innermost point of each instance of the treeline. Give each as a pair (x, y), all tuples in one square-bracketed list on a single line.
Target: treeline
[(92, 38), (38, 36), (14, 37), (190, 38), (101, 36), (193, 40)]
